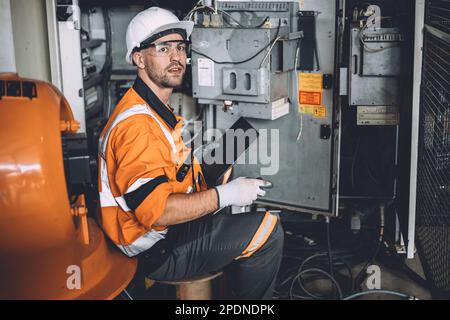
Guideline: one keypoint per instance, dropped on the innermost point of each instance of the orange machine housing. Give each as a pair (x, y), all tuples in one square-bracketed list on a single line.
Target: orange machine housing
[(48, 249)]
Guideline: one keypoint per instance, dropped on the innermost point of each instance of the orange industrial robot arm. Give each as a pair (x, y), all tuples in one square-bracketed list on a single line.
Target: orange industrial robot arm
[(48, 248)]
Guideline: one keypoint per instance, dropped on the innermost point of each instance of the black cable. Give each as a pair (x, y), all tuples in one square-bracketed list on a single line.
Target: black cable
[(360, 276), (316, 48), (316, 54), (306, 239), (288, 276), (341, 255), (108, 40), (82, 31), (262, 23), (335, 283), (321, 261), (108, 65), (314, 257), (299, 280), (195, 9), (246, 60)]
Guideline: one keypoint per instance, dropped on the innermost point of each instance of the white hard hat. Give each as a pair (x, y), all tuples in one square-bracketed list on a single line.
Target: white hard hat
[(150, 22)]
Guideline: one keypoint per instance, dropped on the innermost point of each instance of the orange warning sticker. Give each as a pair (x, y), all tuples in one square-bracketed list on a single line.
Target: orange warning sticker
[(306, 97)]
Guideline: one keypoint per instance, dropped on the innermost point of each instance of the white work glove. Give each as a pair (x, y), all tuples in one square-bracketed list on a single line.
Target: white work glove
[(240, 192)]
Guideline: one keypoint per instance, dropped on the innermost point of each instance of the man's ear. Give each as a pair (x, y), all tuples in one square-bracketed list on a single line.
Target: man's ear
[(138, 59)]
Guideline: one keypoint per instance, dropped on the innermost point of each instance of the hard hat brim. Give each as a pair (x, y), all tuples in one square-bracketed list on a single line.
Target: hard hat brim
[(188, 26)]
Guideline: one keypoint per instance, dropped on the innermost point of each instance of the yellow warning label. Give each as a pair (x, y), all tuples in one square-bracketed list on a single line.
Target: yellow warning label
[(311, 82), (306, 108), (315, 111), (320, 112)]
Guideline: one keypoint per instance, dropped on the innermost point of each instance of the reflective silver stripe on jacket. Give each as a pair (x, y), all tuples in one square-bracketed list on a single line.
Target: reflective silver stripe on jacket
[(107, 199)]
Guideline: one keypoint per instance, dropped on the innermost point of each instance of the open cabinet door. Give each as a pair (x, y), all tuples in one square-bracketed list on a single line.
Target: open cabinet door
[(303, 146)]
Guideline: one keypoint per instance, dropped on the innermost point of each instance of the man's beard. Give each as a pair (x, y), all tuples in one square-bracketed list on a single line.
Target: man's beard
[(163, 79)]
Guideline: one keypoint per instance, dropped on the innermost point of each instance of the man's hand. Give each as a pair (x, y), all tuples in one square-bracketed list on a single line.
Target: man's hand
[(187, 207), (240, 192)]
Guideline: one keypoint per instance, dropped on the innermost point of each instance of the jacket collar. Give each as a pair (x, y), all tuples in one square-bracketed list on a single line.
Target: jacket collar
[(154, 102)]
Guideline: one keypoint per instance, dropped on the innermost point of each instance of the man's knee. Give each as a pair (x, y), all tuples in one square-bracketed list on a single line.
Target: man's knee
[(277, 236), (267, 238), (275, 241)]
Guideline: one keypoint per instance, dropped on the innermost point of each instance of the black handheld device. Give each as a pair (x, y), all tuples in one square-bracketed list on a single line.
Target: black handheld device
[(236, 139)]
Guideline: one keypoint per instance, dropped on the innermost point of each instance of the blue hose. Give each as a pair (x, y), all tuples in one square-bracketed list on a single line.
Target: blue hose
[(394, 293)]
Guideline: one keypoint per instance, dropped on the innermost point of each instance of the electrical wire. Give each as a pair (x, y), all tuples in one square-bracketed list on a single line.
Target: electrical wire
[(259, 25), (330, 261), (336, 262), (389, 292), (360, 278), (289, 276), (363, 42), (316, 51), (194, 8), (292, 282), (300, 270), (108, 40), (269, 51), (300, 131), (108, 65), (197, 8), (127, 294), (347, 251), (245, 60), (317, 270)]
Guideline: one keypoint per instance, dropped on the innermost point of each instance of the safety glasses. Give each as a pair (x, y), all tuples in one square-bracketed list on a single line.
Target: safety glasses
[(166, 48)]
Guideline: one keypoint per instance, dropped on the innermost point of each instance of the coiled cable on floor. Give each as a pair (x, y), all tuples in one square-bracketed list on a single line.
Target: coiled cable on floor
[(389, 292)]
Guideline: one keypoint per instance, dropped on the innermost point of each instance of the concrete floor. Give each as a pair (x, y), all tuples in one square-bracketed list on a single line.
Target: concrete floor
[(391, 279), (397, 281)]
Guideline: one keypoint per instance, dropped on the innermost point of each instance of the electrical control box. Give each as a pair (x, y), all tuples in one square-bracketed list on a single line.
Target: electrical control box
[(298, 142), (244, 63), (375, 61)]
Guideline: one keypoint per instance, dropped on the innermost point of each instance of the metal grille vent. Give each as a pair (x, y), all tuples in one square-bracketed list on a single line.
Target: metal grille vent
[(438, 14), (433, 175), (434, 158), (435, 242)]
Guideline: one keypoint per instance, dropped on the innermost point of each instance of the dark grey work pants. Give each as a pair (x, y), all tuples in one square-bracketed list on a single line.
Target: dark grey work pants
[(212, 243)]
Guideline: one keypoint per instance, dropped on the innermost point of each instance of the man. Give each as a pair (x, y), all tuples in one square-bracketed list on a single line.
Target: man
[(145, 209)]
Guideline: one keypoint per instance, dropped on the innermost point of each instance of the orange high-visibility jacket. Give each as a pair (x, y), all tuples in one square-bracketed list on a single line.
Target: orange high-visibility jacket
[(140, 153)]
